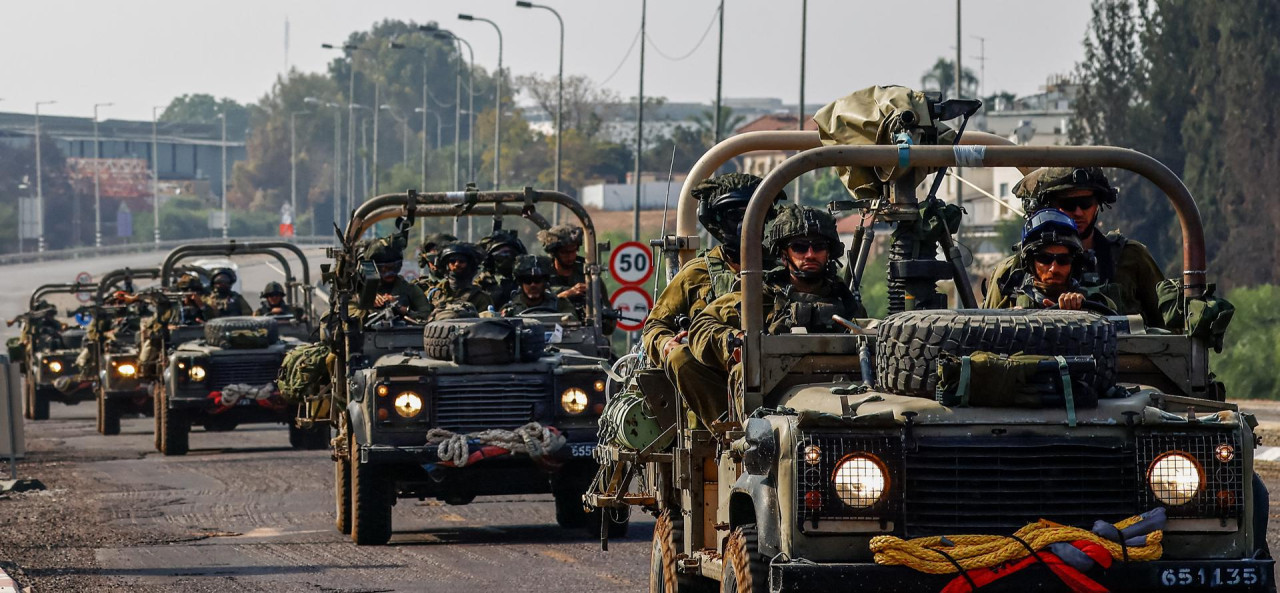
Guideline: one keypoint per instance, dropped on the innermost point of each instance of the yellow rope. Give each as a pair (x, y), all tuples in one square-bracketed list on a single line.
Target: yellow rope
[(971, 552)]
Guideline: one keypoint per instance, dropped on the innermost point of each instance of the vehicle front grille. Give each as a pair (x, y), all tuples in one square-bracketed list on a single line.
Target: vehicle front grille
[(255, 370), (467, 403), (1222, 493), (998, 485), (818, 498)]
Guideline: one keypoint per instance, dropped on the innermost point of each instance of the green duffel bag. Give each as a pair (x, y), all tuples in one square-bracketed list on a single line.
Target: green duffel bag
[(984, 379), (304, 372), (17, 349)]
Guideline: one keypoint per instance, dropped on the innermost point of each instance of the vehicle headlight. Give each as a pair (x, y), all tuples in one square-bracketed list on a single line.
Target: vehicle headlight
[(127, 369), (196, 373), (55, 366), (408, 404), (1175, 478), (860, 480), (574, 400)]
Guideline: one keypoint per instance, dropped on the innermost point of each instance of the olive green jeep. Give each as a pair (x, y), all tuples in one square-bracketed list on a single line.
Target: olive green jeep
[(47, 351), (851, 466), (119, 389)]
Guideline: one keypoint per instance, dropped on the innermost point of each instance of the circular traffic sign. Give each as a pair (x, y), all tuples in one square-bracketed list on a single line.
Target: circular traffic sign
[(632, 305), (84, 278), (84, 297), (631, 263)]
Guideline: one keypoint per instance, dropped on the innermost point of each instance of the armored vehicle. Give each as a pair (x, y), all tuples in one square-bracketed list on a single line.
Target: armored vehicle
[(464, 407), (48, 351), (119, 388), (850, 466), (221, 373)]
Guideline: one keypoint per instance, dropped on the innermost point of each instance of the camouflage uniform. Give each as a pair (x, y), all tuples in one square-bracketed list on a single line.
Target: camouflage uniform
[(229, 303), (565, 235), (537, 267), (427, 254), (1123, 270), (265, 308), (1044, 228), (497, 276), (191, 310), (389, 251), (459, 288)]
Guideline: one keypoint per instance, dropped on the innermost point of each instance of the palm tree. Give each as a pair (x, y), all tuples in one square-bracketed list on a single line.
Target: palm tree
[(942, 77), (704, 123)]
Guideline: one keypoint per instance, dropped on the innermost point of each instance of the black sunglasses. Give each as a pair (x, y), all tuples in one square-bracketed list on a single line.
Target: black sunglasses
[(532, 280), (1062, 259), (1073, 204), (807, 246)]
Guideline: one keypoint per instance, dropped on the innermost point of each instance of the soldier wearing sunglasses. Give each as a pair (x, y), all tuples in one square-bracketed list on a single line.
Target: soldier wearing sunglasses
[(532, 275), (1053, 258), (1120, 268)]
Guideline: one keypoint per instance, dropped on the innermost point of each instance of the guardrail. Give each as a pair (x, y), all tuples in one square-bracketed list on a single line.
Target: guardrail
[(92, 252)]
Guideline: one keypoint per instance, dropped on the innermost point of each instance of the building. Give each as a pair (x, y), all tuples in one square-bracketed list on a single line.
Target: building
[(759, 163)]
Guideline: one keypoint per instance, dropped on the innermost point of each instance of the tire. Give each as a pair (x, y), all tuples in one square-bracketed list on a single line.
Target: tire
[(745, 569), (569, 511), (237, 333), (909, 344), (438, 337), (108, 416), (174, 429), (157, 410), (309, 439), (668, 532), (39, 403), (371, 498), (28, 400), (342, 494)]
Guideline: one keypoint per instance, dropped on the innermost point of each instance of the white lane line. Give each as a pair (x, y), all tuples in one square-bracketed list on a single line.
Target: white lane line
[(7, 585), (1267, 453)]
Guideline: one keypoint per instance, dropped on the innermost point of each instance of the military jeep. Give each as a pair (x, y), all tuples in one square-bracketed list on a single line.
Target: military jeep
[(460, 408), (221, 373), (49, 355), (119, 389), (844, 468)]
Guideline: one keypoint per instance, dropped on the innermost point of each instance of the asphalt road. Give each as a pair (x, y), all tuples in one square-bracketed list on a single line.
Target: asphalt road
[(244, 512)]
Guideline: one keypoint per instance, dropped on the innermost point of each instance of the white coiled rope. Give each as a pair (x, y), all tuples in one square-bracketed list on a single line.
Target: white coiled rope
[(532, 439)]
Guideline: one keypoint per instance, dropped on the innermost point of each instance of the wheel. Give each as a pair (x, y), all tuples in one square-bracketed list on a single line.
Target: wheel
[(108, 415), (371, 497), (342, 494), (745, 569), (569, 511), (668, 532), (157, 410), (28, 400), (309, 439), (39, 404), (909, 344), (174, 428)]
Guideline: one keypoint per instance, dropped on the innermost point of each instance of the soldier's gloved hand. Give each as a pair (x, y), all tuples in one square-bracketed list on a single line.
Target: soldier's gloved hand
[(675, 341), (382, 299)]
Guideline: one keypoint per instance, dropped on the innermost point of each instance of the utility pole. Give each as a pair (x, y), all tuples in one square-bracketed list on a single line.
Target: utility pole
[(497, 104), (97, 172), (555, 212), (337, 159), (635, 225), (293, 162), (225, 222), (716, 123), (377, 91), (804, 42), (155, 172), (959, 95), (982, 65), (40, 181)]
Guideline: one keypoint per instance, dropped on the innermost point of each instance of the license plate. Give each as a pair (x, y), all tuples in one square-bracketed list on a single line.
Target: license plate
[(581, 449), (1202, 577), (245, 402)]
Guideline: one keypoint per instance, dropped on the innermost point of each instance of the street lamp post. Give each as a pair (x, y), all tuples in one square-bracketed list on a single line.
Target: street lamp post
[(404, 132), (635, 225), (155, 173), (351, 122), (97, 168), (377, 91), (293, 161), (337, 143), (559, 96), (457, 104), (405, 123), (497, 106), (223, 117), (40, 181)]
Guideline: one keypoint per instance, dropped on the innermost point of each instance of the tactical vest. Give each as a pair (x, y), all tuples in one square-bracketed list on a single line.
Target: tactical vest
[(723, 278), (811, 311)]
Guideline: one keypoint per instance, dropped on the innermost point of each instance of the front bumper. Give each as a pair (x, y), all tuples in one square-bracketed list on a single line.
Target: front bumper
[(1161, 575), (428, 454)]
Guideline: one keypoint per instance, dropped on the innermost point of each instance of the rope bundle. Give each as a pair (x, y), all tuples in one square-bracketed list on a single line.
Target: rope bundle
[(941, 555), (532, 439)]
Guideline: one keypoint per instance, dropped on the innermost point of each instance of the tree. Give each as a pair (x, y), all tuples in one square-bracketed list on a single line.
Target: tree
[(942, 77), (705, 123), (203, 108), (584, 102)]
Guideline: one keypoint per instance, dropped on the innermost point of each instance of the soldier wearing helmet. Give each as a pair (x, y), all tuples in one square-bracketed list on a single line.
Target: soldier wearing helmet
[(531, 274), (387, 256), (274, 303), (1052, 259), (195, 308), (568, 278), (1121, 269), (802, 294), (427, 255), (458, 264), (223, 300), (497, 276)]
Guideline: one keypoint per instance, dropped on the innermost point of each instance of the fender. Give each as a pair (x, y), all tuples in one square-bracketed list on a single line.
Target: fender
[(757, 495), (356, 386)]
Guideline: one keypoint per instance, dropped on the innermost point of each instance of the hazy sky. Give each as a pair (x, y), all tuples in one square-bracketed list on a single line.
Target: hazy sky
[(140, 53)]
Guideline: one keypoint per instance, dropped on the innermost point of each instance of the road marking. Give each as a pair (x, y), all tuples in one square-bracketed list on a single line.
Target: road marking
[(452, 517), (1267, 454), (7, 585), (276, 532), (561, 556)]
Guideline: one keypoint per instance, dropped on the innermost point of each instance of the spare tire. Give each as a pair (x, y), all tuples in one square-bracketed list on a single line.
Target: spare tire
[(909, 344), (239, 333), (484, 341)]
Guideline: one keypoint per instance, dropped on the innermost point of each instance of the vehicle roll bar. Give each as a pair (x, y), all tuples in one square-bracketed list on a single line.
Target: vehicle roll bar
[(1193, 251), (57, 288), (114, 277), (230, 248)]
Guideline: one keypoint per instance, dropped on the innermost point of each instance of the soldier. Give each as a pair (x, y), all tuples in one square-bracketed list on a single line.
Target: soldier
[(1052, 258), (41, 329), (531, 274), (722, 202), (427, 255), (193, 309), (459, 262), (224, 301), (387, 255), (1122, 269), (568, 278), (498, 278), (803, 293), (274, 303)]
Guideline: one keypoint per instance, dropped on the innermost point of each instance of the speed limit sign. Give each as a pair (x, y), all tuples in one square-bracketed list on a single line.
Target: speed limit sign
[(631, 263), (632, 305)]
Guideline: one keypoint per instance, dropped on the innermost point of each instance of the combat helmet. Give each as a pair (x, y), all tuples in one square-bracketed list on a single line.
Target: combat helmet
[(795, 221), (500, 239), (533, 266), (720, 201), (464, 250), (228, 272), (387, 250), (1037, 188), (431, 247), (273, 289), (190, 283), (1048, 227), (561, 235)]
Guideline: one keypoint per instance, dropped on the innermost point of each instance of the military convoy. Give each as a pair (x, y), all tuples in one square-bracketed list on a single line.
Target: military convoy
[(890, 459), (458, 408), (118, 388), (48, 350)]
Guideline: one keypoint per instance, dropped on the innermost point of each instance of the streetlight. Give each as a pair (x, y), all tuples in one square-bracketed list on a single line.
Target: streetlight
[(559, 94), (425, 66), (351, 177), (445, 34), (293, 161), (497, 106), (404, 132), (223, 116), (635, 225), (40, 180), (155, 172), (337, 142), (97, 167), (351, 122)]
